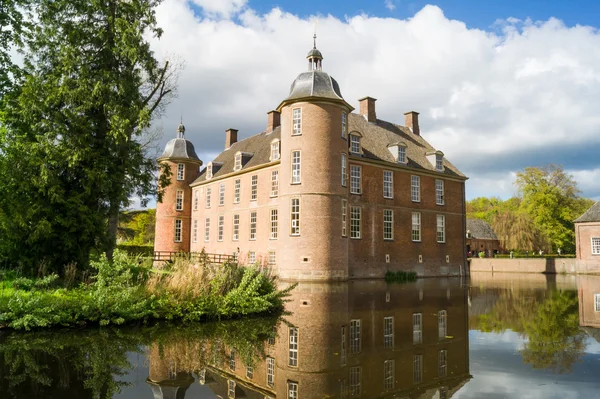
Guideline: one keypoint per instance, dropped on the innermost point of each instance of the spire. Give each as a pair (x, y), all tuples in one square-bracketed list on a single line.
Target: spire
[(315, 58), (181, 130)]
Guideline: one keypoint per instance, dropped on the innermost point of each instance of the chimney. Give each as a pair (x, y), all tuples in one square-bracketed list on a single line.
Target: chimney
[(367, 108), (230, 137), (411, 120), (273, 120)]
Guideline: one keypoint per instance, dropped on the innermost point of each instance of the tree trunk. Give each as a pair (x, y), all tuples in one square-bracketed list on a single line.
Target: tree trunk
[(111, 236)]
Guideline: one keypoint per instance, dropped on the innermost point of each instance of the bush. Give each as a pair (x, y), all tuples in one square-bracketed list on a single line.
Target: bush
[(400, 277), (137, 250)]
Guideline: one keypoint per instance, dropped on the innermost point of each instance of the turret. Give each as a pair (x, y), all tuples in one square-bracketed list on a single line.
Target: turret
[(173, 214)]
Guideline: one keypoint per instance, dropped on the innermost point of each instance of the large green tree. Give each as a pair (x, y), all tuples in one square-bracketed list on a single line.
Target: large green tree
[(11, 24), (70, 134)]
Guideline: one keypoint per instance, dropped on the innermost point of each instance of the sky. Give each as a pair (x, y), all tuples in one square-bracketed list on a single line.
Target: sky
[(499, 85)]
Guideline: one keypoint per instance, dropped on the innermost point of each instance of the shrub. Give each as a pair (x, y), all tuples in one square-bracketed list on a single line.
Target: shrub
[(400, 277)]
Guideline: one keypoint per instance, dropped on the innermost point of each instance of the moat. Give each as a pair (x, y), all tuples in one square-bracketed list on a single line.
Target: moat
[(495, 336)]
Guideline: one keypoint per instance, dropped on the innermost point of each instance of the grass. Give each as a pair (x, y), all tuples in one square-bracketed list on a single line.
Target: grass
[(400, 277)]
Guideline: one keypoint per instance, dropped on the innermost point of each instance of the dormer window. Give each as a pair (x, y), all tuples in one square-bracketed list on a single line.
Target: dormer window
[(209, 171), (398, 151), (436, 159), (402, 154), (238, 162), (355, 143), (439, 166), (275, 150), (297, 121)]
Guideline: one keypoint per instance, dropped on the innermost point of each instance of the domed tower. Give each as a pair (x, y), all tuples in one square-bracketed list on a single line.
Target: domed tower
[(173, 214), (314, 124)]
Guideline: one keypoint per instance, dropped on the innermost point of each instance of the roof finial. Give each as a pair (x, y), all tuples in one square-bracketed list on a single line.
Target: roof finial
[(315, 34), (181, 129), (314, 56)]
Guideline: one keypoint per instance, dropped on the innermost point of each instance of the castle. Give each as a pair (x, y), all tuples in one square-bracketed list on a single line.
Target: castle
[(323, 193)]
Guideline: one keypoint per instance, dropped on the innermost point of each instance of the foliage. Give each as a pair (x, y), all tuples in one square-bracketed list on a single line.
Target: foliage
[(400, 277), (141, 250), (516, 229), (11, 25), (137, 227)]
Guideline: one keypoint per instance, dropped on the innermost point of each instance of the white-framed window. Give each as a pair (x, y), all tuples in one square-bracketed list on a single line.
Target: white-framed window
[(441, 228), (597, 302), (343, 348), (180, 171), (195, 231), (236, 227), (179, 200), (251, 257), (295, 217), (388, 184), (220, 227), (249, 372), (253, 225), (442, 363), (417, 369), (275, 150), (416, 226), (388, 332), (442, 324), (270, 371), (272, 258), (388, 224), (295, 167), (292, 390), (293, 347), (221, 194), (296, 121), (355, 222), (208, 197), (178, 226), (415, 188), (595, 245), (355, 179), (417, 328), (344, 124), (274, 183), (231, 389), (354, 388), (439, 163), (209, 171), (254, 188), (388, 374), (344, 216), (355, 336), (232, 361), (344, 170), (439, 192), (236, 191), (196, 199), (401, 154), (206, 229), (354, 144), (274, 223), (238, 162)]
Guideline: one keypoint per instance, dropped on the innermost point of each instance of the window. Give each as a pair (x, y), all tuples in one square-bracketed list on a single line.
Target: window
[(354, 387), (208, 195), (443, 392), (232, 361), (388, 184), (297, 121), (275, 151), (238, 162), (196, 198), (292, 390), (439, 166), (388, 374), (344, 171), (595, 245), (273, 224), (195, 231), (355, 186), (354, 144), (249, 372), (209, 171), (597, 302), (236, 227), (179, 200), (221, 194), (274, 183), (231, 388), (272, 258), (251, 257), (178, 224), (355, 222), (344, 125), (206, 229), (293, 347), (254, 188), (343, 349), (295, 167), (401, 154), (388, 332), (442, 363), (417, 369), (416, 226), (355, 339), (236, 191), (344, 212), (415, 188), (442, 324), (295, 217), (388, 224), (417, 328), (439, 192), (180, 171), (270, 371), (441, 228), (253, 225), (221, 224)]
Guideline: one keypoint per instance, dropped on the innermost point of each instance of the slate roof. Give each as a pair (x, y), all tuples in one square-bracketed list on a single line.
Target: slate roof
[(591, 215), (480, 229), (375, 140), (180, 149), (315, 84)]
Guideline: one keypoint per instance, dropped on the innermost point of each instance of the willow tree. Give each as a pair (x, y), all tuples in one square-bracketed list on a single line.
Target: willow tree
[(516, 230), (71, 132)]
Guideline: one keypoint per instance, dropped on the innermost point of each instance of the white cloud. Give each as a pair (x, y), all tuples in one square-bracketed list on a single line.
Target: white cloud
[(389, 4), (493, 101)]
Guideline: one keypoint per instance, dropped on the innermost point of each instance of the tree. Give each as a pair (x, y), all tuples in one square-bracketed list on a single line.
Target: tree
[(516, 230), (11, 24), (70, 134)]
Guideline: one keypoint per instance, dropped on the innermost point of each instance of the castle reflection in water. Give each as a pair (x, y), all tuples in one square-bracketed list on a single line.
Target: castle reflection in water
[(358, 339)]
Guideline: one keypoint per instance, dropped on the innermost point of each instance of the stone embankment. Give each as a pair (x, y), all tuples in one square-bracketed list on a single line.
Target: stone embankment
[(537, 265)]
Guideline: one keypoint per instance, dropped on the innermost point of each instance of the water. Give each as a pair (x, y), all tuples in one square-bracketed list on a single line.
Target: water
[(495, 336)]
